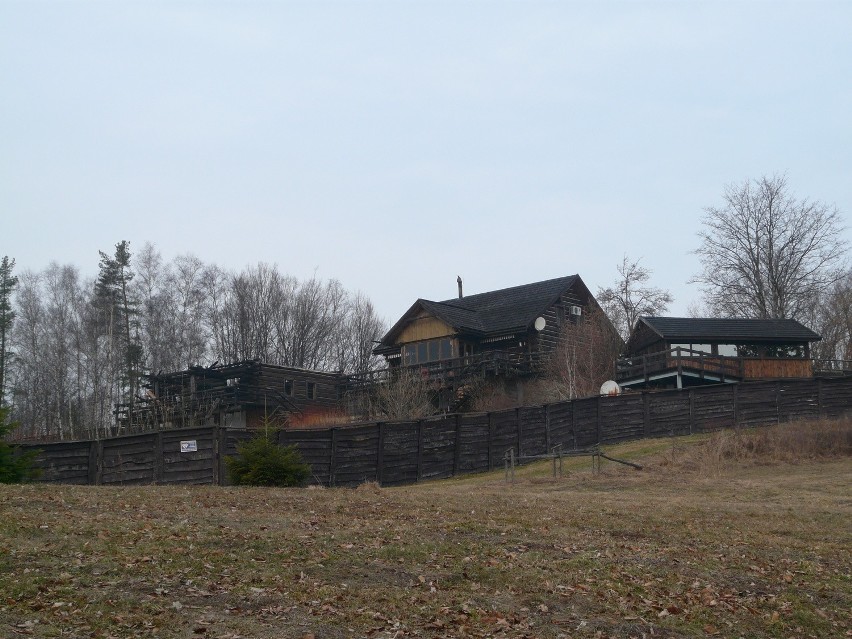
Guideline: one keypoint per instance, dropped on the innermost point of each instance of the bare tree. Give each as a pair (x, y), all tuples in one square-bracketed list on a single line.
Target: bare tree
[(317, 313), (766, 254), (831, 317), (584, 358), (357, 335), (404, 394), (632, 297)]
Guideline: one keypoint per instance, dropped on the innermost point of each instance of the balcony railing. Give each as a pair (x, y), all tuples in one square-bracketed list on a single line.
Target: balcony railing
[(832, 367), (679, 359), (457, 368)]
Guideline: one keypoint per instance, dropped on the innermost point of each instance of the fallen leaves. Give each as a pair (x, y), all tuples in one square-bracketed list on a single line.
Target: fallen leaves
[(385, 564)]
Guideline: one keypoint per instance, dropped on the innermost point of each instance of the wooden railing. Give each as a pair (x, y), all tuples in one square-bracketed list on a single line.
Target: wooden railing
[(680, 359), (832, 367), (488, 363), (727, 368)]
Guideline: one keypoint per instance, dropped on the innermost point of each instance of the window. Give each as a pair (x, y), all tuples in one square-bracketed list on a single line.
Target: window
[(288, 387), (433, 350), (446, 349), (727, 350), (312, 390), (785, 350)]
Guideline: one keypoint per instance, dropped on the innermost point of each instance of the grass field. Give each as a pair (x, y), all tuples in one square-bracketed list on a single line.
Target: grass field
[(723, 537)]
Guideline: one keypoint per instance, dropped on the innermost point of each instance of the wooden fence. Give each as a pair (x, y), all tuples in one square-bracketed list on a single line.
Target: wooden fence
[(403, 452)]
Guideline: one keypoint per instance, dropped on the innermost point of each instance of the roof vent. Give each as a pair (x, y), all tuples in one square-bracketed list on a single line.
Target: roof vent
[(459, 281)]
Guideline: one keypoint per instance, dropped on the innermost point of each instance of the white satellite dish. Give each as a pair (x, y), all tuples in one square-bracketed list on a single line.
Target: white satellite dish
[(609, 387), (539, 324)]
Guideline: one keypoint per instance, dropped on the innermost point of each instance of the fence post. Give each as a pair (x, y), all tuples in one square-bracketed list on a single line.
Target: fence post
[(331, 458), (819, 397), (457, 452), (221, 454), (159, 462), (547, 428), (736, 407), (380, 460), (490, 441), (96, 448), (777, 402), (574, 423), (518, 428), (598, 418), (646, 414), (419, 449), (691, 411)]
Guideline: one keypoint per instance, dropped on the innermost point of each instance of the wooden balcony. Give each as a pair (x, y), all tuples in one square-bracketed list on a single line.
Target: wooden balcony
[(690, 367), (679, 363), (450, 372)]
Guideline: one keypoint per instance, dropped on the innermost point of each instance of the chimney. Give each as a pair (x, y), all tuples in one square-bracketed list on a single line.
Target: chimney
[(459, 280)]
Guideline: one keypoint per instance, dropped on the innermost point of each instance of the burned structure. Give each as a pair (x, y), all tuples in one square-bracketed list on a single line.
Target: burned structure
[(241, 395)]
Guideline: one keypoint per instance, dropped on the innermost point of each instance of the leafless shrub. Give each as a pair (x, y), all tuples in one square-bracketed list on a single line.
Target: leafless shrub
[(406, 394)]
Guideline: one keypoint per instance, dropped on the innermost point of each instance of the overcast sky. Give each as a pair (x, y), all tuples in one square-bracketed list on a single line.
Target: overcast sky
[(395, 145)]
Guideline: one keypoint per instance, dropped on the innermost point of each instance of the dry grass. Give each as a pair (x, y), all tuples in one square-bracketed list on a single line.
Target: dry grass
[(755, 548), (790, 443)]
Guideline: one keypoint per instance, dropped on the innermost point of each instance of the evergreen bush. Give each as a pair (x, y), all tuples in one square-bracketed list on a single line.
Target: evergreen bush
[(15, 467), (261, 461)]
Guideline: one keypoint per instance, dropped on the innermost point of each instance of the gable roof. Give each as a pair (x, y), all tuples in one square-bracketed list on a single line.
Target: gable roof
[(495, 312), (715, 329)]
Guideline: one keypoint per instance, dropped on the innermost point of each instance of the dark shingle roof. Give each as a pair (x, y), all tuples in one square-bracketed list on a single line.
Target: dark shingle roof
[(716, 329), (493, 313), (505, 310)]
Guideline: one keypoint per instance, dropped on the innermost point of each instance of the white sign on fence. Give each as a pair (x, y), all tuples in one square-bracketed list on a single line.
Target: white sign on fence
[(190, 446)]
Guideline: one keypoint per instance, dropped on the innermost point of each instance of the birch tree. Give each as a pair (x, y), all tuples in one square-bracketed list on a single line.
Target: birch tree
[(8, 282)]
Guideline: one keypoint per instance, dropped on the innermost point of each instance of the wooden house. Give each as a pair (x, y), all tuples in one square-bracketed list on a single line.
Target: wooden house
[(509, 331), (683, 351), (240, 395)]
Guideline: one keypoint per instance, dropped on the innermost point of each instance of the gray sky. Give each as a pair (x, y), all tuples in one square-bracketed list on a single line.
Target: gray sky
[(395, 145)]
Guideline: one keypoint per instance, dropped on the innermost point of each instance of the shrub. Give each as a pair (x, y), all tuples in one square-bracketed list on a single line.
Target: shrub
[(263, 462), (15, 467)]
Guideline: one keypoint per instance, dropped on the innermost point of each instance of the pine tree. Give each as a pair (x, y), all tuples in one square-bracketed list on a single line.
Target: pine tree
[(7, 316), (117, 315)]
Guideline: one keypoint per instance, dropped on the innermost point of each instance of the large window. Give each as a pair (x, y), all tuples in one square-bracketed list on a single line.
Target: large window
[(743, 350), (432, 350)]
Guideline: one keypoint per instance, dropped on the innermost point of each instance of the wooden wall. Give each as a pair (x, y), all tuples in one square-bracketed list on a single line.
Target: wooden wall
[(764, 368), (394, 453), (424, 326)]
